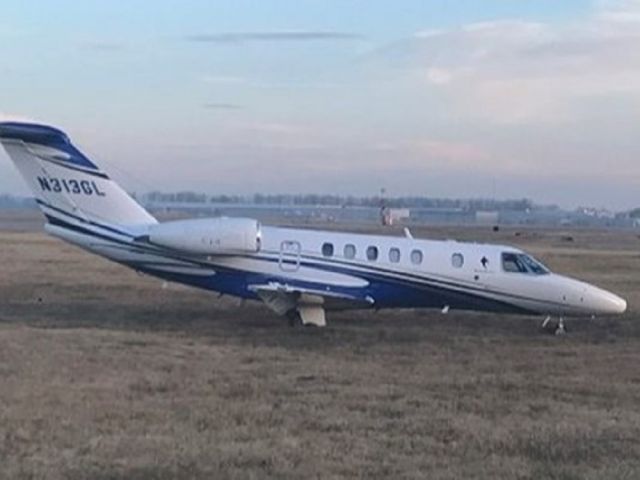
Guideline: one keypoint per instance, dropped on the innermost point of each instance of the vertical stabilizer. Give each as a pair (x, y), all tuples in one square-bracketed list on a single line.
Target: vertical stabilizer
[(67, 185)]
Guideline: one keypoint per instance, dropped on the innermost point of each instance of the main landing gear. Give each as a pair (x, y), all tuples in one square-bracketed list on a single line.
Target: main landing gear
[(307, 315), (554, 327)]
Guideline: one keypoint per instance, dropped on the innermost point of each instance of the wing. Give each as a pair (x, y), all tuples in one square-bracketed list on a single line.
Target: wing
[(282, 298)]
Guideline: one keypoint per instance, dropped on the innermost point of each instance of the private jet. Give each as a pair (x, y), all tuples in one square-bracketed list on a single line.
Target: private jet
[(298, 273)]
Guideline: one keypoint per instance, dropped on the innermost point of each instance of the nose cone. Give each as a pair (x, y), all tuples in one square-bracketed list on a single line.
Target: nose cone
[(605, 303), (580, 298)]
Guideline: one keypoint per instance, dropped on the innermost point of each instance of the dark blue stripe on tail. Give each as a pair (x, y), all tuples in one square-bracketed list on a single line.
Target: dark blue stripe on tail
[(45, 136)]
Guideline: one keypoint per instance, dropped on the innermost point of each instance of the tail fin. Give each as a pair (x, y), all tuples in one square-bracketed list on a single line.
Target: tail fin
[(65, 182)]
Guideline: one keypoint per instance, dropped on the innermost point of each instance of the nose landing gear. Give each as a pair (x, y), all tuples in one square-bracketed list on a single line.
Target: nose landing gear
[(554, 327)]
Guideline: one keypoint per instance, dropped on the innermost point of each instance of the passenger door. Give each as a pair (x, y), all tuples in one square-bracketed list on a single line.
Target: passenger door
[(289, 259)]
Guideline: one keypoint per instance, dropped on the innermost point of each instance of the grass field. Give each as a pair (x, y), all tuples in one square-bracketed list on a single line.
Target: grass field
[(105, 374)]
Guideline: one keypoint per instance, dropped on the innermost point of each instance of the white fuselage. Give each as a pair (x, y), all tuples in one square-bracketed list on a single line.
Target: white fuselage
[(371, 271)]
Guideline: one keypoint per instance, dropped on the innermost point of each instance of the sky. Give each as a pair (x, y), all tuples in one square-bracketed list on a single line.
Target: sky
[(472, 98)]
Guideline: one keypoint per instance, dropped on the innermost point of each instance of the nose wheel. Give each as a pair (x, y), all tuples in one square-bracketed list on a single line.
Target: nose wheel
[(554, 327)]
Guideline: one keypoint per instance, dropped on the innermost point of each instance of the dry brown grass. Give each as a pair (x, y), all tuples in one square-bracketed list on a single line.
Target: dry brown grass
[(106, 375)]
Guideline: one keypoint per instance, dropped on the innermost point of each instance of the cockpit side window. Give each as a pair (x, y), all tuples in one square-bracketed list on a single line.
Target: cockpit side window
[(521, 263), (512, 264), (534, 266)]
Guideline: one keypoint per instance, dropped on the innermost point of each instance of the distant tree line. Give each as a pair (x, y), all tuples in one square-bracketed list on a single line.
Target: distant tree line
[(344, 201), (182, 197), (635, 213)]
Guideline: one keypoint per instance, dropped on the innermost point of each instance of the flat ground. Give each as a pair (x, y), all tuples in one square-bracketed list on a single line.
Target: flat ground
[(105, 374)]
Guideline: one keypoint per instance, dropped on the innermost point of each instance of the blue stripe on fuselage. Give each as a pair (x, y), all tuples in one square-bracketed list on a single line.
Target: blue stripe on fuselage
[(387, 292)]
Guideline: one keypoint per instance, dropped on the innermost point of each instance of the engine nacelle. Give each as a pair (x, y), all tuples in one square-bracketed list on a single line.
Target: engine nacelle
[(208, 236)]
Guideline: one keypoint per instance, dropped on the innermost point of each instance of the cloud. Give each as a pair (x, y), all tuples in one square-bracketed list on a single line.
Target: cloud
[(103, 46), (439, 76), (11, 117), (10, 30), (275, 36), (222, 106), (230, 80), (514, 71), (224, 79), (619, 11), (452, 154)]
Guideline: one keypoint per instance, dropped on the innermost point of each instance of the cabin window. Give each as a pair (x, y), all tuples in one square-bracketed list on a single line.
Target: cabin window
[(350, 251), (327, 249), (416, 257), (457, 260), (394, 255), (372, 253)]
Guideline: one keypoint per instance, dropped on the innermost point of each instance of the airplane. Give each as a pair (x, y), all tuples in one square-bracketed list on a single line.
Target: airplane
[(298, 273)]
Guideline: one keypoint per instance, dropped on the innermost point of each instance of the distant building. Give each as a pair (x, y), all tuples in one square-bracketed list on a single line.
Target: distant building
[(484, 217), (393, 216)]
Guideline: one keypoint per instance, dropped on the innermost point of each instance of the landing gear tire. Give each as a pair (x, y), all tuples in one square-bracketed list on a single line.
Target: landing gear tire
[(561, 329), (294, 318), (554, 327)]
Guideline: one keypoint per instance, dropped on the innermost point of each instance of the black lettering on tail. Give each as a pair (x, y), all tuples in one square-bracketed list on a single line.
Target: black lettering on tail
[(44, 184), (97, 190)]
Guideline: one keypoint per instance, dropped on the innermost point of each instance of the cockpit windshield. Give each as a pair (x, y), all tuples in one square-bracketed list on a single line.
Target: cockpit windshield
[(522, 263)]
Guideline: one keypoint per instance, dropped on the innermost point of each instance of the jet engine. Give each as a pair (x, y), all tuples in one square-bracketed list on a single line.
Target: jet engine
[(208, 236)]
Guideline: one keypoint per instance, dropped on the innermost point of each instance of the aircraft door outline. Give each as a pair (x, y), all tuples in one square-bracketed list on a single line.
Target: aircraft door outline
[(289, 258)]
